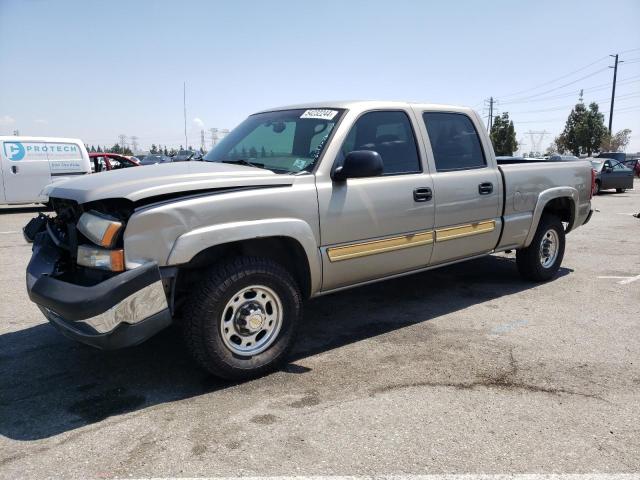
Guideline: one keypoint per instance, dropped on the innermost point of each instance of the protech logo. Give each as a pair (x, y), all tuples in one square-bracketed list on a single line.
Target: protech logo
[(14, 151), (64, 147), (40, 151)]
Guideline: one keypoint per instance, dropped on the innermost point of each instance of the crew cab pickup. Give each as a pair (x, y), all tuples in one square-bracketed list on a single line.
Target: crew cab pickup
[(294, 203)]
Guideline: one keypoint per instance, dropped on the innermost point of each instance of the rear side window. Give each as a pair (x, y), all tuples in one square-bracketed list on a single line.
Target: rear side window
[(390, 134), (454, 140)]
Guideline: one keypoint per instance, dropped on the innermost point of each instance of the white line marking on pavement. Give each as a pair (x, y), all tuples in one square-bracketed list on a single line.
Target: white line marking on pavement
[(11, 231), (629, 280), (621, 213), (623, 280)]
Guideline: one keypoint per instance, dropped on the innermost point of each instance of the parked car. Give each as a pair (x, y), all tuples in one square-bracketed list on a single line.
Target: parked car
[(611, 174), (294, 203), (28, 164), (102, 162), (155, 158), (187, 155), (634, 165), (619, 156)]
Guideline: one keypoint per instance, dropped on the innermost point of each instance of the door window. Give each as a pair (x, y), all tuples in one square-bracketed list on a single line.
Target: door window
[(390, 134), (454, 141)]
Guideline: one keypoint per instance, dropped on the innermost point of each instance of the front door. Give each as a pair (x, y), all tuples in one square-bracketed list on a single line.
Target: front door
[(379, 226), (466, 189), (25, 169)]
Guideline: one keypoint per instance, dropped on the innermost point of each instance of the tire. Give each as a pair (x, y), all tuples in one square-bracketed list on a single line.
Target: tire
[(532, 265), (596, 189), (621, 190), (225, 317)]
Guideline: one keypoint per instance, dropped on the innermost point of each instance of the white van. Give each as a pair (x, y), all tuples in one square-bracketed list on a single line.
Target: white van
[(28, 164)]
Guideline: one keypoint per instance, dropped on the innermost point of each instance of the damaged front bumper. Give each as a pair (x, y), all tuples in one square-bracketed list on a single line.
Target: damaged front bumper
[(120, 311)]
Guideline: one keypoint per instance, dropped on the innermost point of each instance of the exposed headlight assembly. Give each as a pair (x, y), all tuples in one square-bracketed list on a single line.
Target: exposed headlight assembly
[(103, 259), (100, 229)]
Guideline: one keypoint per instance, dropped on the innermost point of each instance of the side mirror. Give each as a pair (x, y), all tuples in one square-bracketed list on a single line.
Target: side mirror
[(359, 164)]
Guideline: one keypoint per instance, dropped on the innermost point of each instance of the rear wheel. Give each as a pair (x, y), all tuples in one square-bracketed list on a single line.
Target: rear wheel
[(241, 321), (541, 260), (596, 188)]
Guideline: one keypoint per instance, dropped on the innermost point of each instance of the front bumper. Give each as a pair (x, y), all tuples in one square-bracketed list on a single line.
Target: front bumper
[(121, 311)]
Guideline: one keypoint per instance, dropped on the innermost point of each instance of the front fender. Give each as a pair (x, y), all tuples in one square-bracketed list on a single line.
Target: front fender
[(189, 244), (543, 199)]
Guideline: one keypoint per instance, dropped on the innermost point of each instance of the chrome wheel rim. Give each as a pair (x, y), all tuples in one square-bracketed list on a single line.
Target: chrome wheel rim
[(549, 248), (251, 320)]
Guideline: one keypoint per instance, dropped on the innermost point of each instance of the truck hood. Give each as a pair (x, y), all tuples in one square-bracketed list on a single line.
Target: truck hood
[(137, 183)]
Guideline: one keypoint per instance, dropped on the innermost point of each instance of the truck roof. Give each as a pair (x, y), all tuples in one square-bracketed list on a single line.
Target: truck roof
[(371, 104)]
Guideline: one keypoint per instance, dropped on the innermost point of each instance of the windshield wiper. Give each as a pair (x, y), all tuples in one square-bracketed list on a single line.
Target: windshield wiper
[(242, 161)]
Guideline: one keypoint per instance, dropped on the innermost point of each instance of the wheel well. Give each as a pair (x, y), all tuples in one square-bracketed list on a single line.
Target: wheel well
[(563, 208), (286, 251)]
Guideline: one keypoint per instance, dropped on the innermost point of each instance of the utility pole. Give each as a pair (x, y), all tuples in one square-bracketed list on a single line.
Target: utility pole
[(214, 136), (184, 104), (134, 143), (490, 119), (202, 141), (122, 141), (613, 90)]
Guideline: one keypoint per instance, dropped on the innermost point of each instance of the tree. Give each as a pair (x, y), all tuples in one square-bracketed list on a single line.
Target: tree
[(617, 142), (116, 149), (584, 130), (153, 149), (165, 151), (503, 135)]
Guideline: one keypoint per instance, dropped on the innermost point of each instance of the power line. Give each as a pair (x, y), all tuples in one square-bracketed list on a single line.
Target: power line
[(555, 79), (601, 86), (561, 86), (562, 107)]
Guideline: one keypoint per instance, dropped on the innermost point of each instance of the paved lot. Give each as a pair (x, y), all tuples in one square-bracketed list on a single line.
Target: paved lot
[(466, 369)]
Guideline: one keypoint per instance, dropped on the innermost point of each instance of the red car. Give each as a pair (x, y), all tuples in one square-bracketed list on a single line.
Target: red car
[(101, 162)]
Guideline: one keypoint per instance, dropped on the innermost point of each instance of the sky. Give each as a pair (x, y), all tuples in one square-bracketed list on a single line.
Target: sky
[(98, 69)]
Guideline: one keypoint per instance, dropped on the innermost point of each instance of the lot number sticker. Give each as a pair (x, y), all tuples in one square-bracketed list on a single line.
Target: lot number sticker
[(322, 114)]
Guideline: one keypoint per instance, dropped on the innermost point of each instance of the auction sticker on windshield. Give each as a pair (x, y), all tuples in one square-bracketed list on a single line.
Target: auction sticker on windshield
[(322, 114)]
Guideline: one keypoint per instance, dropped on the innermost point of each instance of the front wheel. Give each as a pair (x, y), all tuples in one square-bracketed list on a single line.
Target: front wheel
[(621, 190), (541, 260), (241, 321), (596, 188)]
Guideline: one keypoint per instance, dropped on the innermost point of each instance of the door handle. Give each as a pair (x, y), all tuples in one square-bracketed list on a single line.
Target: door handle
[(422, 194), (14, 168), (485, 188)]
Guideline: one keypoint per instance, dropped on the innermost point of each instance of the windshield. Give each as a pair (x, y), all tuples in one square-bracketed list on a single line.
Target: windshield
[(183, 155), (288, 141)]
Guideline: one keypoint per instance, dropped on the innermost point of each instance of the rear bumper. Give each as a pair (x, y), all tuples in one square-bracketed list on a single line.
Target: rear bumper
[(121, 311)]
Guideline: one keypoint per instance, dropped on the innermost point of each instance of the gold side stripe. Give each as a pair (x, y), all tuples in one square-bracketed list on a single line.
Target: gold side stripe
[(451, 233), (363, 249), (356, 250)]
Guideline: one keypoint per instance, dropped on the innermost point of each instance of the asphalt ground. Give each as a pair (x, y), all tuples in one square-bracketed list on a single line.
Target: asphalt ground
[(466, 369)]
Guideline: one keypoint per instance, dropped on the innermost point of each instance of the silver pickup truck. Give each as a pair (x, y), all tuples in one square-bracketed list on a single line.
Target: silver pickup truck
[(294, 203)]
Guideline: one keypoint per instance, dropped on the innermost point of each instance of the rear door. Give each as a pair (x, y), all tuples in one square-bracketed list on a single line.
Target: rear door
[(25, 168), (467, 188)]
